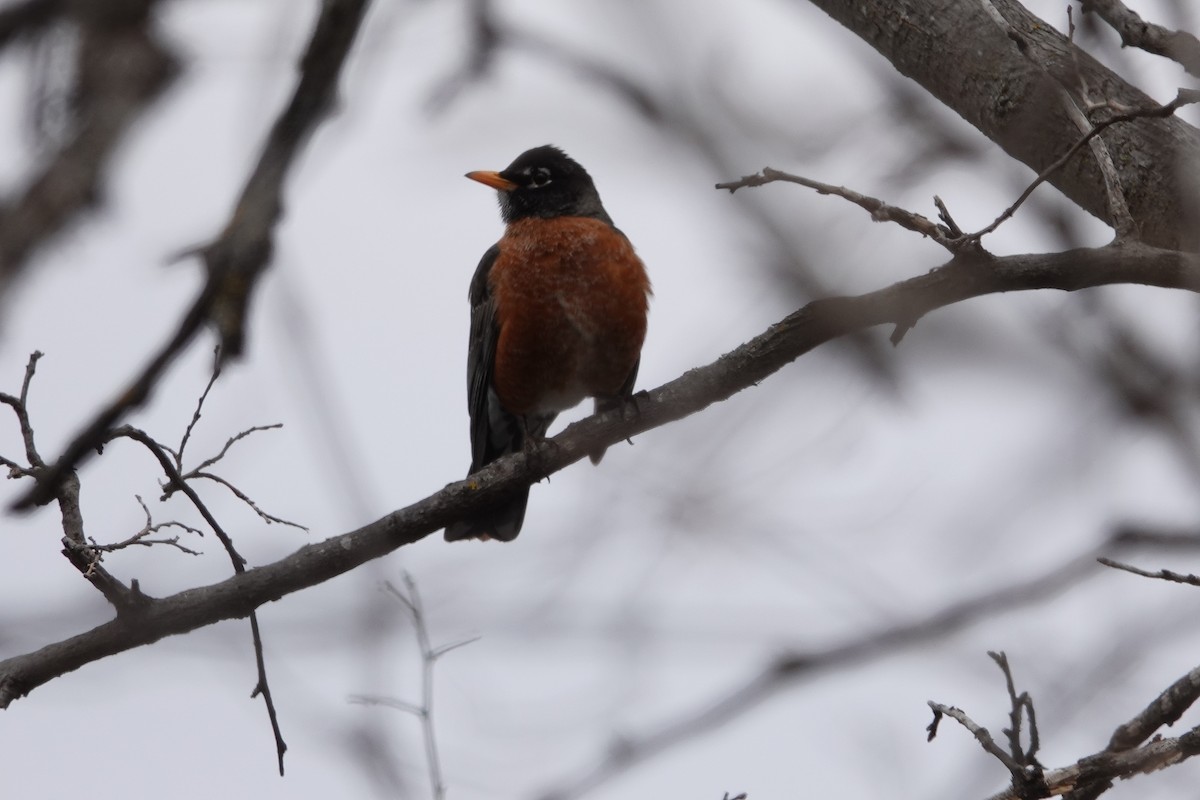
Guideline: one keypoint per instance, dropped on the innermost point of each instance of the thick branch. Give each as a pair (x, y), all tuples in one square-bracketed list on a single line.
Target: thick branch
[(1179, 46), (1166, 709), (1104, 767), (816, 323), (1006, 82)]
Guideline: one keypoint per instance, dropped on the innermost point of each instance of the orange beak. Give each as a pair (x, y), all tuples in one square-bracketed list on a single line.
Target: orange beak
[(492, 179)]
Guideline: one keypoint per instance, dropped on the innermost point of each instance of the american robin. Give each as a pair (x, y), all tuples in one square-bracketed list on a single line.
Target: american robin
[(558, 313)]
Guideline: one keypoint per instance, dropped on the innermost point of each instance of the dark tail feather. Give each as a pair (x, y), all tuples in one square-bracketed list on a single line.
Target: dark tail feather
[(501, 522)]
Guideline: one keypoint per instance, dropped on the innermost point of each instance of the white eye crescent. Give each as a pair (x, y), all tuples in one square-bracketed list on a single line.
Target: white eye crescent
[(539, 176)]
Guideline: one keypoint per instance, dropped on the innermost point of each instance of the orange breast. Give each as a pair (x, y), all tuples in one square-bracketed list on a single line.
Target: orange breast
[(571, 301)]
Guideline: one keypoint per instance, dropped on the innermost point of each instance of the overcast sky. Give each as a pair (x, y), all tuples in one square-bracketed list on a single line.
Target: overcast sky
[(863, 487)]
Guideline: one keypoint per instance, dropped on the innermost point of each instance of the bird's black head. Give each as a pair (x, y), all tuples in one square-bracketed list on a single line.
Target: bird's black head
[(544, 182)]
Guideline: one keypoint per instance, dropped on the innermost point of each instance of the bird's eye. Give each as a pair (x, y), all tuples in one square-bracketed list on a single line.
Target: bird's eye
[(540, 176)]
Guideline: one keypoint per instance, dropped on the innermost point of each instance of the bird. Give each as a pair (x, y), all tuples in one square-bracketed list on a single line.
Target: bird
[(558, 314)]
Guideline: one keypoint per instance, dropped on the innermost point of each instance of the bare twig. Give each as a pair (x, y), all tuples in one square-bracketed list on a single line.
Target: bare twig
[(176, 480), (237, 258), (240, 495), (1182, 98), (187, 432), (198, 472), (1028, 780), (1162, 574), (879, 210), (1020, 708), (20, 407), (1179, 46), (1122, 219), (410, 598), (141, 538), (75, 544), (208, 462), (262, 687), (980, 733)]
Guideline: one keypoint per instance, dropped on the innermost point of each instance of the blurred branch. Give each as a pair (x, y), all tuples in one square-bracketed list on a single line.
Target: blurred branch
[(237, 258), (789, 669), (818, 322), (1179, 46), (121, 67), (410, 598), (27, 18)]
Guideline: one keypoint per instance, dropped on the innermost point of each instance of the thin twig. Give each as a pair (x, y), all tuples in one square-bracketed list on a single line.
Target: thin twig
[(268, 518), (20, 407), (1020, 707), (413, 602), (410, 598), (187, 433), (980, 733), (262, 687), (176, 480), (208, 462), (75, 543), (878, 209), (1182, 98), (1162, 574), (141, 537)]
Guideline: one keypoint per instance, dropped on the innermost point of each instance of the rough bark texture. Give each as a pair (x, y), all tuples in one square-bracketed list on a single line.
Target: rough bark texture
[(1010, 87)]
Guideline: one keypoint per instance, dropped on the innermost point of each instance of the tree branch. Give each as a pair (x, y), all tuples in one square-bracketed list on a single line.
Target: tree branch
[(988, 79), (1179, 46), (1103, 768), (816, 323), (1166, 709)]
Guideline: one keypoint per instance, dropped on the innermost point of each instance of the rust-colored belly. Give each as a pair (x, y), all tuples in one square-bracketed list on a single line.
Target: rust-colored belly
[(571, 301)]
